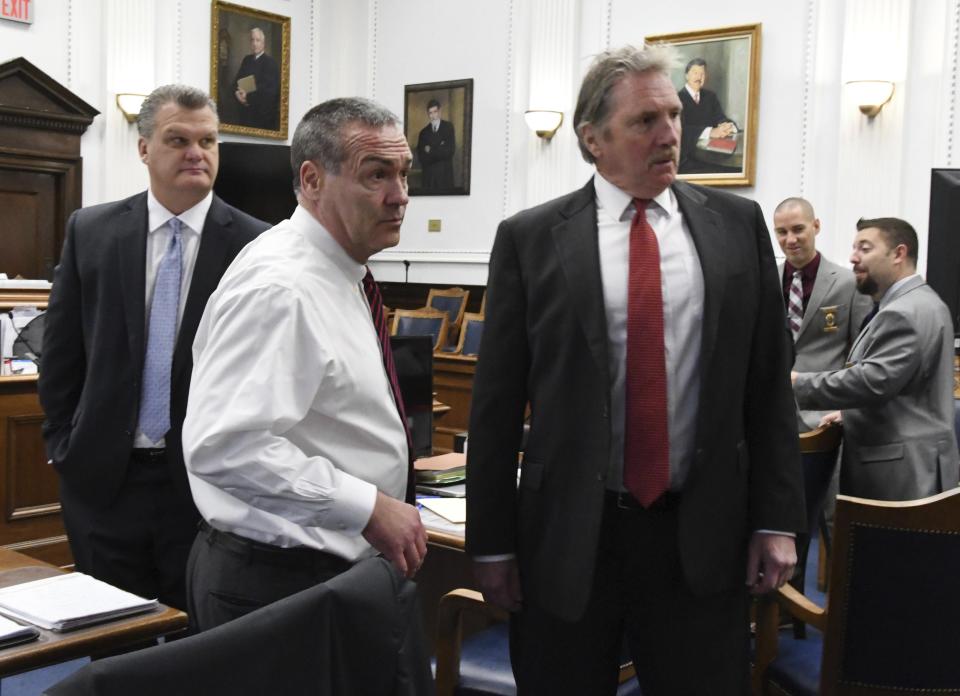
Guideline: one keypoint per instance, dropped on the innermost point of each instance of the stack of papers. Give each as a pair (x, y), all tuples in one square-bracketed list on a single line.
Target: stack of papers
[(444, 469), (12, 633), (451, 509), (69, 601)]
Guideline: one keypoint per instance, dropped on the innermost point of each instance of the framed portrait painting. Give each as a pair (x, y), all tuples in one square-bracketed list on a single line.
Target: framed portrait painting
[(438, 120), (718, 82), (250, 70)]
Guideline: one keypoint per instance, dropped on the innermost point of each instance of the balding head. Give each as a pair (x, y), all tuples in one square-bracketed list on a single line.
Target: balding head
[(796, 228)]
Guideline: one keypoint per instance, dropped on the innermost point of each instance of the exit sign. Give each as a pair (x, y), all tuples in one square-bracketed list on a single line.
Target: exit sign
[(17, 10)]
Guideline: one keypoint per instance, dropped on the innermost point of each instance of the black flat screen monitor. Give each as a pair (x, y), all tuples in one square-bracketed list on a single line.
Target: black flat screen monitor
[(257, 179), (943, 257), (413, 357)]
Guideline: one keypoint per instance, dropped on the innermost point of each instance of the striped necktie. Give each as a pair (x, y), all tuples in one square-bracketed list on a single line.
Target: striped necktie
[(375, 300), (795, 304), (161, 337), (646, 446)]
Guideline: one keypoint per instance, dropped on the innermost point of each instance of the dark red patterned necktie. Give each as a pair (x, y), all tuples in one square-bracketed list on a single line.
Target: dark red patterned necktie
[(646, 445), (375, 300)]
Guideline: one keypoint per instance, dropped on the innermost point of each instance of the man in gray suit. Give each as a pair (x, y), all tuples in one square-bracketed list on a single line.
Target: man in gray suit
[(828, 319), (897, 391)]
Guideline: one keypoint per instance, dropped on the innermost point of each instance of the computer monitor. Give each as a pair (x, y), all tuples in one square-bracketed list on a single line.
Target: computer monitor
[(413, 357)]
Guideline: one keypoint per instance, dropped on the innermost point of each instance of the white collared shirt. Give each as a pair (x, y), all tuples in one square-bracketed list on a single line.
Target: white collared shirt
[(291, 427), (158, 240), (683, 296), (892, 290)]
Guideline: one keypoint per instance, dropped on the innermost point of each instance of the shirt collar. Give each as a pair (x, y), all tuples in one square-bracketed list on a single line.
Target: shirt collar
[(193, 218), (892, 290), (619, 204), (808, 272), (320, 237), (693, 94)]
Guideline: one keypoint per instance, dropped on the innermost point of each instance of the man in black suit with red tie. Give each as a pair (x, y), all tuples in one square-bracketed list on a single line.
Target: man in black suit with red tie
[(132, 282), (641, 320), (703, 118)]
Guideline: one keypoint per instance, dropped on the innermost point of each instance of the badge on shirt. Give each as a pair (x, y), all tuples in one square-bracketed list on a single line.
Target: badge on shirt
[(829, 318)]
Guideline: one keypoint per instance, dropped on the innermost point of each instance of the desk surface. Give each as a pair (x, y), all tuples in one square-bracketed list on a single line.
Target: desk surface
[(53, 647)]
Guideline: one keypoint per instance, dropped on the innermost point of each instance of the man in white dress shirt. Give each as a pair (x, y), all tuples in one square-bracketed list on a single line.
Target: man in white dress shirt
[(296, 452)]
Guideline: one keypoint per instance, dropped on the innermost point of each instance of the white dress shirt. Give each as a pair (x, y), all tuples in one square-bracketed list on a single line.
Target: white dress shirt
[(158, 240), (681, 282), (291, 427)]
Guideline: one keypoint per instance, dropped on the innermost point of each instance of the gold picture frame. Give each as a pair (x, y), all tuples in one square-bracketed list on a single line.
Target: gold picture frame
[(728, 63), (441, 165), (238, 63)]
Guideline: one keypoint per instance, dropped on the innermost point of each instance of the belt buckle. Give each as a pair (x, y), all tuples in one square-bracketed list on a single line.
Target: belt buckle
[(626, 501)]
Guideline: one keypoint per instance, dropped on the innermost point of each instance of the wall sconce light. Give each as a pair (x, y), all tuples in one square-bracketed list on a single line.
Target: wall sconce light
[(871, 95), (544, 123), (130, 104)]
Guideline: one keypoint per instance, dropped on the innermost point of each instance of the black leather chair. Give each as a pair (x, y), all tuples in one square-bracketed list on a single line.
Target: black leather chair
[(893, 624), (360, 633), (479, 665)]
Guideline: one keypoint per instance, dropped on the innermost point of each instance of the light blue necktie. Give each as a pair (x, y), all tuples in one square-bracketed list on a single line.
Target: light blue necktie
[(161, 336)]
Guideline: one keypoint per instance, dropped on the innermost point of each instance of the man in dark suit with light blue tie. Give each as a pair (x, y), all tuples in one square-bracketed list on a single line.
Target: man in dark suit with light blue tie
[(640, 319), (133, 280)]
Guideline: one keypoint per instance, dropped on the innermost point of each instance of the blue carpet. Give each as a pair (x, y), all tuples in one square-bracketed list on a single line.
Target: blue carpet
[(34, 683)]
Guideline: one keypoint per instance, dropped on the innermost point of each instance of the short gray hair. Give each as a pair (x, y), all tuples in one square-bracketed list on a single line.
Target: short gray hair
[(182, 95), (262, 35), (319, 135), (608, 68)]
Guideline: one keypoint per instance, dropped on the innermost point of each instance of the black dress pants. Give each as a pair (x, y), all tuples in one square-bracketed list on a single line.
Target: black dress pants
[(681, 644), (140, 542), (229, 576)]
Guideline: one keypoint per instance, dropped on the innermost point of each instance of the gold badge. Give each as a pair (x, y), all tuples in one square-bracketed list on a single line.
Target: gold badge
[(829, 319)]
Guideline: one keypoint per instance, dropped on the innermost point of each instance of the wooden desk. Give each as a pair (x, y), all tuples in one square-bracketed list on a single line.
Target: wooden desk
[(53, 647), (453, 383)]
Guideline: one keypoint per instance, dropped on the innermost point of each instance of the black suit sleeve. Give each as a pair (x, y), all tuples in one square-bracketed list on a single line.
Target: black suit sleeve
[(776, 491), (63, 362), (499, 400)]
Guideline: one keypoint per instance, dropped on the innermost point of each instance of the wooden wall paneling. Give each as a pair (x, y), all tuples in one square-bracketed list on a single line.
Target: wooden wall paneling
[(453, 384)]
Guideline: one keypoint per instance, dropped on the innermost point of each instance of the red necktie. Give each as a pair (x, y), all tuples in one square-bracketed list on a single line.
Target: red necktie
[(646, 446), (372, 291)]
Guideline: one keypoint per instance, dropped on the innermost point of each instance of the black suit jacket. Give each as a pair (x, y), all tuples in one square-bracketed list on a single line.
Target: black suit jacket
[(437, 164), (95, 338), (545, 341), (694, 118), (263, 105)]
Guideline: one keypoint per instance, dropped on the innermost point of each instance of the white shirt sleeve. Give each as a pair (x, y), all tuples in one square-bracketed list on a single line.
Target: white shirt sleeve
[(259, 367)]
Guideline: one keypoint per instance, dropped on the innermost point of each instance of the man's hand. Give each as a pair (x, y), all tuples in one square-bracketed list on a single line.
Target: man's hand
[(771, 559), (499, 581), (395, 530), (426, 148), (793, 376), (241, 96), (831, 418), (724, 130)]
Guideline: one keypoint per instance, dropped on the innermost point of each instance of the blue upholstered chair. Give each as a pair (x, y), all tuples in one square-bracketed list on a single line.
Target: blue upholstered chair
[(452, 301), (819, 450), (479, 665), (471, 331), (893, 623), (421, 322)]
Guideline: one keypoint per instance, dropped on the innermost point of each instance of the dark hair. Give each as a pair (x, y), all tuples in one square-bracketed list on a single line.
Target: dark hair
[(319, 135), (608, 68), (432, 103), (695, 61), (181, 95), (895, 232)]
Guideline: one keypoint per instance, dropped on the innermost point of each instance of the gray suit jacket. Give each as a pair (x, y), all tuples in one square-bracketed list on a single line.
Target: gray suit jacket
[(897, 400), (830, 325)]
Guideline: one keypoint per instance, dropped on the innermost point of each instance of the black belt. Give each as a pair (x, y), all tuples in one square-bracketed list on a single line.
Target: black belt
[(144, 454), (300, 557), (622, 500)]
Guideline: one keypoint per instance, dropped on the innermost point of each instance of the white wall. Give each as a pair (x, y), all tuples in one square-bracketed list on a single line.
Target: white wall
[(531, 53)]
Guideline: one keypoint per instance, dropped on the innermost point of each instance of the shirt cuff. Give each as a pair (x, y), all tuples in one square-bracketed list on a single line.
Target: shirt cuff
[(352, 506), (495, 557), (792, 535)]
